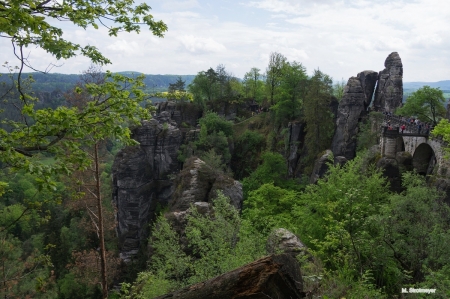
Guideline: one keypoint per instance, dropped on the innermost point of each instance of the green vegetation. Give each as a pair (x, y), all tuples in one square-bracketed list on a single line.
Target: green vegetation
[(56, 219), (425, 103), (219, 241), (28, 23)]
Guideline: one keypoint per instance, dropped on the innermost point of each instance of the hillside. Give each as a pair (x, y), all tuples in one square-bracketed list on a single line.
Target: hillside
[(63, 82)]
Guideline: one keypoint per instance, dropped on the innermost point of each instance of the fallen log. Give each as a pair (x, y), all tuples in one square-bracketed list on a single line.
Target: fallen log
[(275, 276)]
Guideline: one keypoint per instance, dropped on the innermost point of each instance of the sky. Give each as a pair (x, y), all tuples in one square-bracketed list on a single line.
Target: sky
[(339, 37)]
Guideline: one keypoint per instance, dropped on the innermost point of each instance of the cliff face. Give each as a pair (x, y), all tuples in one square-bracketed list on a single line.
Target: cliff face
[(389, 93), (357, 98), (141, 182), (353, 106), (148, 175)]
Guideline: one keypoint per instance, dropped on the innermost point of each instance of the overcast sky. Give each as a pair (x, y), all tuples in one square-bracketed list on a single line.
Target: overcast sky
[(341, 38)]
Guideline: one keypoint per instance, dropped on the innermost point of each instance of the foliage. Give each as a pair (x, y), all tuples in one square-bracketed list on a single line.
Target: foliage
[(179, 85), (246, 154), (425, 103), (273, 74), (338, 89), (213, 85), (272, 170), (62, 131), (214, 134), (332, 214), (415, 228), (270, 207), (176, 95), (442, 130), (318, 115), (219, 241), (253, 85), (203, 87), (369, 131), (30, 23), (292, 87)]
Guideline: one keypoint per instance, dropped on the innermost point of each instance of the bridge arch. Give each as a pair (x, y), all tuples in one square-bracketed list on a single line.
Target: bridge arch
[(424, 159)]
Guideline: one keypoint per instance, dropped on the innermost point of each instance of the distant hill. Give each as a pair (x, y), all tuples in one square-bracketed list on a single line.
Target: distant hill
[(443, 85), (63, 82)]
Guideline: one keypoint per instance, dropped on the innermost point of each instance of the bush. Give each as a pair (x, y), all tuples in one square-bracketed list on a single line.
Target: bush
[(218, 242)]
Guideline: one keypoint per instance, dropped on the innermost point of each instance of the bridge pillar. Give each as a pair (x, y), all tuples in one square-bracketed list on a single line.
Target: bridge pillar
[(389, 143)]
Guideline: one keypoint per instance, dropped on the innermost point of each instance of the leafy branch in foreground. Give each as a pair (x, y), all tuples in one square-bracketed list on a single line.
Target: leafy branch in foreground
[(27, 22), (62, 132)]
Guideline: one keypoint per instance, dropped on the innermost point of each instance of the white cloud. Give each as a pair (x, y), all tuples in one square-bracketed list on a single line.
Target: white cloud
[(200, 45), (124, 47), (341, 37), (179, 5)]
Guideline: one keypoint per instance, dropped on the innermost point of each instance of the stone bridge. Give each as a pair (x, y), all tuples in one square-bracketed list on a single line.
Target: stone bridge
[(428, 156)]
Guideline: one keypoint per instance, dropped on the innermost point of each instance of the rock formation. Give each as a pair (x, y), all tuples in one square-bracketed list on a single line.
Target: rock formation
[(282, 240), (389, 92), (320, 167), (296, 141), (141, 179), (198, 182), (353, 106), (184, 113)]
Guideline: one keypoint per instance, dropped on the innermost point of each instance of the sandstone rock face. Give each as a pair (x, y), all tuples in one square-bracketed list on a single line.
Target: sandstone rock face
[(390, 169), (389, 92), (296, 141), (284, 241), (447, 114), (141, 179), (320, 167), (197, 182), (196, 185), (185, 112), (353, 106), (368, 80)]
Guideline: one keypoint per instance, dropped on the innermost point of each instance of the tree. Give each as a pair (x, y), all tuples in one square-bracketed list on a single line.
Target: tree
[(274, 73), (179, 85), (317, 114), (253, 84), (426, 103), (292, 90), (59, 131), (214, 243), (203, 87), (33, 23), (338, 89), (90, 180)]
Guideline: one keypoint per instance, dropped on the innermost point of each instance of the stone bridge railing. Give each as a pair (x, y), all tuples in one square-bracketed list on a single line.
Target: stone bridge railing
[(411, 129)]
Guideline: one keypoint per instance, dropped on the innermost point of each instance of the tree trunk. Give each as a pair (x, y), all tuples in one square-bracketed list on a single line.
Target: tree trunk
[(101, 233), (276, 276)]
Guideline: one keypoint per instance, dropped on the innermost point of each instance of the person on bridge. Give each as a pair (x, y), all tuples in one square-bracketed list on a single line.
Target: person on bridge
[(403, 127)]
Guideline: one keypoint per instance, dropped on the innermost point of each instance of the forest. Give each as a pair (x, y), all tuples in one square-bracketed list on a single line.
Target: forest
[(361, 236)]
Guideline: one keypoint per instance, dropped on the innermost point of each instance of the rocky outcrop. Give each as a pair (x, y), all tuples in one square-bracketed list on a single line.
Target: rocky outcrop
[(389, 92), (198, 182), (352, 108), (368, 80), (391, 170), (141, 179), (183, 113), (296, 140), (276, 276), (282, 240), (320, 166)]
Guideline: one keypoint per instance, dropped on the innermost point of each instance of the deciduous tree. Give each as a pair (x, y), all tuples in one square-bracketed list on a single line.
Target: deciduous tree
[(274, 73), (426, 103), (35, 23)]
